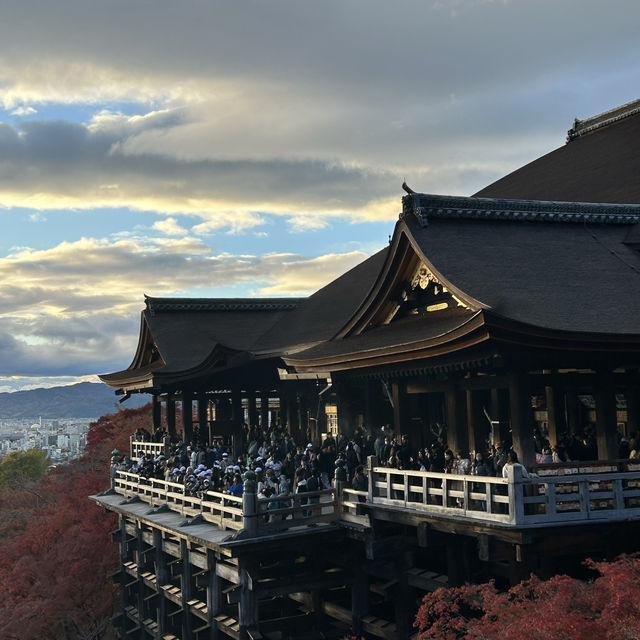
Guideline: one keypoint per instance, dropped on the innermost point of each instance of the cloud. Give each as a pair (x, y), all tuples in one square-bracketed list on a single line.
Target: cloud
[(23, 111), (321, 111), (73, 310), (170, 227)]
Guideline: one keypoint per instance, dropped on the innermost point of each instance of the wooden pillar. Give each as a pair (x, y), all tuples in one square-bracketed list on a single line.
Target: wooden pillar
[(203, 423), (455, 564), (264, 409), (574, 412), (401, 599), (633, 409), (521, 420), (214, 597), (457, 432), (187, 416), (477, 424), (283, 411), (498, 412), (359, 599), (237, 414), (162, 578), (185, 588), (253, 410), (555, 413), (171, 415), (400, 406), (248, 605), (292, 415), (606, 423), (140, 570), (156, 412)]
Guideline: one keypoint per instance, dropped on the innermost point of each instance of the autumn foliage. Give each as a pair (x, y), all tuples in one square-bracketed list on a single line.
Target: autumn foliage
[(56, 554), (561, 608)]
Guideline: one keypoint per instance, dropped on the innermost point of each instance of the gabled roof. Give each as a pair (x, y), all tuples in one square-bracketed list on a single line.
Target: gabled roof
[(599, 163), (181, 338), (565, 271)]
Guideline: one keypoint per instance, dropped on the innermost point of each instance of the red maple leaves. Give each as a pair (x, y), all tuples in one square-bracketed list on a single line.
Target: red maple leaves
[(56, 554), (561, 608)]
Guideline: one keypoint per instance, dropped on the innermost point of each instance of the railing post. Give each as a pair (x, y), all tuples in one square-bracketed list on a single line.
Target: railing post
[(583, 488), (250, 504), (131, 441), (516, 495), (372, 462), (339, 482)]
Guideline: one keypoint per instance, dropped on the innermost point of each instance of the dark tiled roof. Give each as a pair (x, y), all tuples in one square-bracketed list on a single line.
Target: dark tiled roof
[(600, 164), (221, 304), (425, 207), (399, 334), (572, 277)]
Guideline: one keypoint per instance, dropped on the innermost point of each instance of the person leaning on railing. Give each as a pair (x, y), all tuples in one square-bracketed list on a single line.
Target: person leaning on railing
[(512, 463)]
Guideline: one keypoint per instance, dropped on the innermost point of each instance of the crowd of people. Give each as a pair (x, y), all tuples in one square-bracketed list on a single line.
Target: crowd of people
[(283, 467)]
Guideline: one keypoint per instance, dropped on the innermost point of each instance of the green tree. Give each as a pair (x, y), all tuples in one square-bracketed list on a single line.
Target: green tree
[(21, 466)]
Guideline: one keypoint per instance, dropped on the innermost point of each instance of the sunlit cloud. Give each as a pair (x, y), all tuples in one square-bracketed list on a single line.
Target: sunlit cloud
[(72, 308)]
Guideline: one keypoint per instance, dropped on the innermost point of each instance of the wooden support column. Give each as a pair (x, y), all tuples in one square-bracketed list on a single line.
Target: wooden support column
[(203, 423), (162, 578), (140, 570), (521, 419), (498, 412), (455, 564), (253, 410), (477, 424), (264, 409), (574, 412), (633, 409), (237, 414), (214, 596), (401, 600), (606, 423), (156, 412), (400, 406), (283, 411), (171, 415), (359, 598), (187, 416), (457, 432), (248, 605), (555, 413), (185, 589), (292, 415)]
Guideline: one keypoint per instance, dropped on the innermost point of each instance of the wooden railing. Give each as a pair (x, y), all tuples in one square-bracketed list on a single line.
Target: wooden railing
[(221, 509), (143, 447), (512, 501), (281, 512), (478, 497)]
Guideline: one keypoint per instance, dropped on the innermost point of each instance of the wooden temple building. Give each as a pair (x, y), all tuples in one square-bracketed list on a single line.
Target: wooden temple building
[(510, 311)]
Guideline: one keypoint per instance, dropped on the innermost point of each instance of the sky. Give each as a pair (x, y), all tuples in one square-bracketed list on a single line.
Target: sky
[(257, 147)]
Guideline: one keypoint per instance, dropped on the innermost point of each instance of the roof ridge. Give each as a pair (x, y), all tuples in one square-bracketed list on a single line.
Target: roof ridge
[(582, 127), (221, 304), (424, 206)]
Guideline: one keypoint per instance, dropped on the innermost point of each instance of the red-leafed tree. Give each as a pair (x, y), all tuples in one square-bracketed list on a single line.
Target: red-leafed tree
[(56, 554), (561, 608)]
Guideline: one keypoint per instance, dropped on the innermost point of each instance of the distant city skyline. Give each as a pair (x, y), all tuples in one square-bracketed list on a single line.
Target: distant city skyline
[(257, 148)]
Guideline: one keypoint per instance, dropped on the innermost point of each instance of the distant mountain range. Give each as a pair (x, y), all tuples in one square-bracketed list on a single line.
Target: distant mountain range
[(83, 400)]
